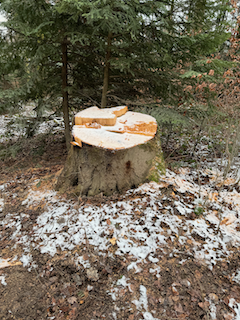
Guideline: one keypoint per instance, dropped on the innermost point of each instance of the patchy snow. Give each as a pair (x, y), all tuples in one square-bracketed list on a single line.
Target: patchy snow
[(138, 236), (123, 282), (84, 263), (236, 276), (3, 280), (37, 196), (1, 204), (13, 126), (140, 225), (236, 307), (155, 271), (213, 310), (26, 259), (142, 304)]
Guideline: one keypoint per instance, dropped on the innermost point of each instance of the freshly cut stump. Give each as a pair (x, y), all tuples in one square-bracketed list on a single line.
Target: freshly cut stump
[(108, 158)]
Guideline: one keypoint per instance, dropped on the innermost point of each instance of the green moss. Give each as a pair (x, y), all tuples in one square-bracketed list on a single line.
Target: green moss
[(159, 167), (154, 176)]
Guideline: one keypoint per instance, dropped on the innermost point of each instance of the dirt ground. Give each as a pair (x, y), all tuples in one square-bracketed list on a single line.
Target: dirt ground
[(59, 289)]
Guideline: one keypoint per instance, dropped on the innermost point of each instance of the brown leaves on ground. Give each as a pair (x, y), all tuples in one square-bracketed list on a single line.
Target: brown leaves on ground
[(182, 289)]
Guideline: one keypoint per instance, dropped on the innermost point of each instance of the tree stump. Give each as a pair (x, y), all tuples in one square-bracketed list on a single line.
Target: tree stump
[(92, 168)]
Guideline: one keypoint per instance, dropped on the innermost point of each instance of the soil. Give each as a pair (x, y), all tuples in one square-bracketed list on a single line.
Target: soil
[(59, 289)]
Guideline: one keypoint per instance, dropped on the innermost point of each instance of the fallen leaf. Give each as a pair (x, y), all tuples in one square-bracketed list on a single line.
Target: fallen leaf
[(92, 274), (194, 294), (7, 263), (211, 72), (213, 297), (174, 291), (178, 308), (108, 222), (72, 312), (198, 275), (228, 316), (228, 220), (71, 300), (113, 241), (204, 305), (213, 196), (175, 298), (85, 257)]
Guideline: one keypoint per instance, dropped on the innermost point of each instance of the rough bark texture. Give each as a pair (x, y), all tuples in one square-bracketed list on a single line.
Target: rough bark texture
[(65, 94), (106, 72), (91, 170)]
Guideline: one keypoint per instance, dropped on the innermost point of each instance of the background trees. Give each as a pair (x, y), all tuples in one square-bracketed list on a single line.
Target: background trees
[(105, 52)]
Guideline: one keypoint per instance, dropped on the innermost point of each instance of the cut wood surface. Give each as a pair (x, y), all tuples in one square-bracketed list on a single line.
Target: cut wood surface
[(106, 139), (104, 117), (94, 114), (113, 128), (118, 111), (119, 150)]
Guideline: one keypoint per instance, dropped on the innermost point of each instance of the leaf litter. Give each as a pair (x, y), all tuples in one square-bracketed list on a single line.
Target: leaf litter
[(148, 254)]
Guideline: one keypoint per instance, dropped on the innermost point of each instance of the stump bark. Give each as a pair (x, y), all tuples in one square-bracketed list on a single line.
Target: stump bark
[(91, 170)]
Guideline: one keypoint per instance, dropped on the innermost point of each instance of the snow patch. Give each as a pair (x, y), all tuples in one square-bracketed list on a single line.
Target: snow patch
[(1, 204), (236, 307), (3, 280), (142, 303)]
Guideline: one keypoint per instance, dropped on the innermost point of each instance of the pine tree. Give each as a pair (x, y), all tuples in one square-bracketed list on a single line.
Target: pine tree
[(142, 44), (35, 49), (124, 49)]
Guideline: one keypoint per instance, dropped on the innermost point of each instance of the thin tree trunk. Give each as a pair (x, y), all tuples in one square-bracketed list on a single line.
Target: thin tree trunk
[(65, 94), (106, 72)]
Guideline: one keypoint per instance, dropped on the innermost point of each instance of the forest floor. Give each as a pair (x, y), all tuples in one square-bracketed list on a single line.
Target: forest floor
[(162, 251)]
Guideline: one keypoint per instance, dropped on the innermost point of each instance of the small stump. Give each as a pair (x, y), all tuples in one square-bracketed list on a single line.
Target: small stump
[(111, 153)]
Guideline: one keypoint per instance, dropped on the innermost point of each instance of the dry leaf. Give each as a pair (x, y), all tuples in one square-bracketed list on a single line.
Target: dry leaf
[(213, 196), (188, 88), (228, 316), (178, 308), (211, 72), (108, 222), (71, 300), (174, 291), (213, 297), (198, 275), (92, 274), (204, 305), (7, 263), (228, 220), (85, 257), (175, 298), (113, 241)]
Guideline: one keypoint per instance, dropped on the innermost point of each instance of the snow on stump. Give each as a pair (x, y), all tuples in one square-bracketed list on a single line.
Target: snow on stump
[(113, 150)]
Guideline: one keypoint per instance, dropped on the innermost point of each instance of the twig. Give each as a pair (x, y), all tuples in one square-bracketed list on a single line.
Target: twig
[(38, 277), (200, 286), (94, 101), (92, 296)]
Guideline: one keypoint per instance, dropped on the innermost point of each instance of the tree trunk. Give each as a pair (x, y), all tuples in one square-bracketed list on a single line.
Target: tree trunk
[(65, 94), (90, 170), (106, 72)]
